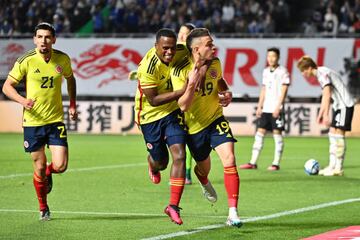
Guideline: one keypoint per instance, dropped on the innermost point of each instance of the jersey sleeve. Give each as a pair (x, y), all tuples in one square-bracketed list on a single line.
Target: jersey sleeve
[(285, 80), (18, 71), (178, 80), (324, 79), (147, 80), (67, 72)]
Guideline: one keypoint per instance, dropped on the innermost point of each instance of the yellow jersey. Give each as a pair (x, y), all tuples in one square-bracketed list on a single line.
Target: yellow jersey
[(153, 73), (43, 84), (205, 107)]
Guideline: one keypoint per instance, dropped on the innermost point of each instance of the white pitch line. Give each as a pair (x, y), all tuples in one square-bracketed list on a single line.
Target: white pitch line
[(103, 213), (254, 219), (79, 170)]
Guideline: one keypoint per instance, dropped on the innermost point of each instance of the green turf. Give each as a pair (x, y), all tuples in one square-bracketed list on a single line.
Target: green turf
[(127, 189)]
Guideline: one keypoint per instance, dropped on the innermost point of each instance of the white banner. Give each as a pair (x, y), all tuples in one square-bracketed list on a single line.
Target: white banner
[(101, 65), (118, 118)]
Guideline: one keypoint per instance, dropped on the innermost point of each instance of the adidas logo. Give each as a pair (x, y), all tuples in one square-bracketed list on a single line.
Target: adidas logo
[(37, 71)]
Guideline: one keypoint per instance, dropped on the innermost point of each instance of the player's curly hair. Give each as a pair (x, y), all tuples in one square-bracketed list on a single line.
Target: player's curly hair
[(45, 26), (305, 62), (165, 32), (196, 33)]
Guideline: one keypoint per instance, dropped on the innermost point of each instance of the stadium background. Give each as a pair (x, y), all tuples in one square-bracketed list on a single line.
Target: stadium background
[(107, 39)]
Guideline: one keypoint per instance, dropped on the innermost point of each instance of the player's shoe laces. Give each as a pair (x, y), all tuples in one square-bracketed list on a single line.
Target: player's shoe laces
[(209, 192), (154, 177), (174, 213), (248, 166), (234, 221), (45, 214), (273, 168)]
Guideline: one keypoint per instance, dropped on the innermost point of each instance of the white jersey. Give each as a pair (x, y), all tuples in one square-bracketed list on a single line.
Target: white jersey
[(273, 81), (339, 92)]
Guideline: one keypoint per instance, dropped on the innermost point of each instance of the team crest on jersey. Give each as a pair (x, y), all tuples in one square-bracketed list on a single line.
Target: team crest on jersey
[(149, 146), (26, 144), (213, 73), (58, 69)]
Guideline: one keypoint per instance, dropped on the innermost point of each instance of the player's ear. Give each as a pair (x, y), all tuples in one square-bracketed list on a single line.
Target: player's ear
[(54, 40), (34, 39)]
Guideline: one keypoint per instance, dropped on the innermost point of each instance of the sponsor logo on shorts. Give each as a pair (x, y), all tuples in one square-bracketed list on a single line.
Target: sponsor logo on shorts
[(26, 144), (149, 146)]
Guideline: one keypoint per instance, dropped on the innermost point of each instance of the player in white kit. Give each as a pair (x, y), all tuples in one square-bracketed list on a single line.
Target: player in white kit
[(342, 111), (270, 112)]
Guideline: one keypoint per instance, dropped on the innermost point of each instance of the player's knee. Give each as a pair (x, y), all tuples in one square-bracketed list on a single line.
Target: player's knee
[(229, 160), (60, 168)]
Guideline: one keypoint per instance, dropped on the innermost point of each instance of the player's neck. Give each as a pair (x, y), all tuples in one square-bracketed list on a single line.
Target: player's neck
[(46, 56), (272, 68), (314, 72)]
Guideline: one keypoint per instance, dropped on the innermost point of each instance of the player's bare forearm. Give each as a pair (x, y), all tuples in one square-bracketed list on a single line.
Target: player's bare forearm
[(222, 85), (156, 99), (284, 90), (325, 100), (261, 97), (71, 87), (10, 91), (186, 99)]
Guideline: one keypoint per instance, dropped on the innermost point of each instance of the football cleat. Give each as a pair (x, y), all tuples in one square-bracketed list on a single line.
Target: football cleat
[(209, 192), (248, 166), (334, 172), (234, 222), (188, 181), (274, 168), (327, 170), (45, 214), (174, 213)]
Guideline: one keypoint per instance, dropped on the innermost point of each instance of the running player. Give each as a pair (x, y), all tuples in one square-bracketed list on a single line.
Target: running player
[(270, 109), (160, 118), (202, 103), (343, 107), (43, 69)]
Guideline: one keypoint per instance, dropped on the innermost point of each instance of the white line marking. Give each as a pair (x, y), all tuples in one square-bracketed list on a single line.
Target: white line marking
[(103, 213), (254, 219), (79, 170)]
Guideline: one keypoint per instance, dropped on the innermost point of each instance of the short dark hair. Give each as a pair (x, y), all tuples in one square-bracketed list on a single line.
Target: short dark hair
[(275, 50), (189, 26), (165, 32), (196, 33), (45, 26)]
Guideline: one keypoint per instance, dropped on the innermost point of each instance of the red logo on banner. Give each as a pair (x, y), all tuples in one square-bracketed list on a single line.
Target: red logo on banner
[(102, 60), (10, 53)]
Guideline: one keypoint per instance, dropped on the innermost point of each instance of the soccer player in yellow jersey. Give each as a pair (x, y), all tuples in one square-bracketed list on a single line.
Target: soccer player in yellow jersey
[(159, 116), (42, 69), (207, 127)]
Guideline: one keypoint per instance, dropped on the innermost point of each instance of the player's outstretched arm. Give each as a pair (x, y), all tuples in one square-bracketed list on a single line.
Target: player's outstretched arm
[(10, 91), (284, 90), (323, 116), (71, 87)]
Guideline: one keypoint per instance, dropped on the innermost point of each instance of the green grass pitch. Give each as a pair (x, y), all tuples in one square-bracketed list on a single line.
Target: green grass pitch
[(106, 193)]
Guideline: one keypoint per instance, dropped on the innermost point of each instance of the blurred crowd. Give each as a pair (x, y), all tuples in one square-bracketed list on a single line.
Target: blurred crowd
[(147, 16), (334, 17), (121, 16)]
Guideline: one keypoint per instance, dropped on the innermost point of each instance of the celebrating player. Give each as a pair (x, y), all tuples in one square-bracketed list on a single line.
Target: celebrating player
[(269, 111), (43, 69), (343, 107), (202, 103), (160, 118)]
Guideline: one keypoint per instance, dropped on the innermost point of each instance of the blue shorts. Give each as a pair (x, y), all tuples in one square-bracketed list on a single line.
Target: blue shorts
[(217, 133), (51, 134), (164, 132)]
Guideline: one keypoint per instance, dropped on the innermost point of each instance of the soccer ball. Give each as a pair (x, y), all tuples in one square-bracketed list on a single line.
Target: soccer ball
[(312, 167)]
